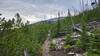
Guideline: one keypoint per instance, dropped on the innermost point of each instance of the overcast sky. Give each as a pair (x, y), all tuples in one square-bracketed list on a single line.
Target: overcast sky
[(36, 10)]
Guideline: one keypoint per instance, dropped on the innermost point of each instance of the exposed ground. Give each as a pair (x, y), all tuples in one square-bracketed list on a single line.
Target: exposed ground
[(46, 47)]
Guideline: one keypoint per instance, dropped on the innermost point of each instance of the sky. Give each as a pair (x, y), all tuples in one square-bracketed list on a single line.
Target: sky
[(37, 10)]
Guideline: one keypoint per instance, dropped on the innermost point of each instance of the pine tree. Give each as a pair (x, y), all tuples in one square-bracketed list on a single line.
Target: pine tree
[(58, 24), (18, 20)]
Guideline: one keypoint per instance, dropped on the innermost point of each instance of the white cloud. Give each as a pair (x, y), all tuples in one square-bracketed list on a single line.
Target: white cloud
[(37, 8)]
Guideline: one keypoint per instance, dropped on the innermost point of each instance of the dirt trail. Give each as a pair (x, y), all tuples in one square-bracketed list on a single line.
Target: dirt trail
[(46, 47)]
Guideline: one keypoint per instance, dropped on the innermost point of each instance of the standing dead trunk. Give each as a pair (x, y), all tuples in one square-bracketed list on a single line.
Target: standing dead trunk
[(99, 2), (26, 52)]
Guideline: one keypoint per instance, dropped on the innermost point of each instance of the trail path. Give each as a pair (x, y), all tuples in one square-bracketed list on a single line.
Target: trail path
[(46, 46)]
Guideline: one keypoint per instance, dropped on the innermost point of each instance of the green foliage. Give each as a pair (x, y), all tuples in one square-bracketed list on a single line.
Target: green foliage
[(89, 43), (17, 36), (78, 43), (66, 46), (69, 40), (92, 54), (52, 46)]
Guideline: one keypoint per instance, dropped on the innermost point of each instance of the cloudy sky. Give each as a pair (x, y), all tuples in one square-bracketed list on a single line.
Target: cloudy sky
[(37, 10)]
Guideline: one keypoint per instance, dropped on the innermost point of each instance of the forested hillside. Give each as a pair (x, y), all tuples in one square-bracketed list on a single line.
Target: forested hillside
[(16, 37)]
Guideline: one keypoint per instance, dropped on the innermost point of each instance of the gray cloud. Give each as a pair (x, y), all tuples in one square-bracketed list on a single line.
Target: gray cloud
[(37, 8)]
